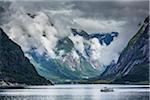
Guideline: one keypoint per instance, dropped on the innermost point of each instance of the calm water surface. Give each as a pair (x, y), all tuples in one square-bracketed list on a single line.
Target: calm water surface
[(77, 92)]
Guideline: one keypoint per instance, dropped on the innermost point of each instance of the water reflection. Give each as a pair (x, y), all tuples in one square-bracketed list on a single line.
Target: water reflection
[(77, 92)]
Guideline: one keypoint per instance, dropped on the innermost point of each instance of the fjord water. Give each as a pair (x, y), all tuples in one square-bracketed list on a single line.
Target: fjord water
[(77, 92)]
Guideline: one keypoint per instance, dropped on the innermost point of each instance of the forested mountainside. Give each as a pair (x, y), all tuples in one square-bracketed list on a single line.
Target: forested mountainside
[(15, 68)]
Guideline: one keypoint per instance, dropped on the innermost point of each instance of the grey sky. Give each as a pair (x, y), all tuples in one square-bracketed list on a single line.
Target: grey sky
[(95, 16), (132, 12)]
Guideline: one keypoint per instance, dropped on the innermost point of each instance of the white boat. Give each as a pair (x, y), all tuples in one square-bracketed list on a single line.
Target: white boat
[(105, 89)]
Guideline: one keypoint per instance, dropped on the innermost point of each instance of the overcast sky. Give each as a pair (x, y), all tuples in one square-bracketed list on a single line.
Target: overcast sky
[(100, 16), (128, 13), (93, 16)]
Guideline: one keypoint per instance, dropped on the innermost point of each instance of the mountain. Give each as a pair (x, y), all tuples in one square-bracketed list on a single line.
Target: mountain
[(14, 66), (57, 53), (65, 67), (104, 38), (70, 64), (133, 63)]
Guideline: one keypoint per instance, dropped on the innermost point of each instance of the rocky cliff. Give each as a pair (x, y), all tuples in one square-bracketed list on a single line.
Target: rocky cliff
[(133, 63)]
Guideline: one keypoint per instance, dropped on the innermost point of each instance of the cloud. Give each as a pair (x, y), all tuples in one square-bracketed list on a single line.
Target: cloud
[(92, 16), (41, 31), (78, 42), (32, 33), (103, 54), (94, 25)]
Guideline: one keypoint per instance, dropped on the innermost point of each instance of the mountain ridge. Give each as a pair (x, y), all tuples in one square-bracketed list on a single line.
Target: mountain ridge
[(133, 63), (14, 66)]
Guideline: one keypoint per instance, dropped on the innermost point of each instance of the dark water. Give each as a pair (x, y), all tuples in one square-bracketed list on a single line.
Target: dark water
[(77, 92)]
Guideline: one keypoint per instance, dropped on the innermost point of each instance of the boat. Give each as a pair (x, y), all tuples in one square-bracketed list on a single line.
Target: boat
[(105, 89)]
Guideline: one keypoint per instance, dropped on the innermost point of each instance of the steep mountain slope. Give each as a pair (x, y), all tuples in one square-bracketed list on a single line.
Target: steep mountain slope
[(14, 66), (65, 67), (104, 38), (56, 52), (133, 63)]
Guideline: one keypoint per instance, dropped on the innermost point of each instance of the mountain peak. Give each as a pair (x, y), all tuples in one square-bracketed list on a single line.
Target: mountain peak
[(104, 38)]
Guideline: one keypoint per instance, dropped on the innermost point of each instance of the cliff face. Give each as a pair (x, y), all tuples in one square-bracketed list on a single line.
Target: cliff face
[(133, 63), (14, 66)]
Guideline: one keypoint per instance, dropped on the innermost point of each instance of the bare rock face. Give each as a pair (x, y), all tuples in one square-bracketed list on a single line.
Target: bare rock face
[(133, 63)]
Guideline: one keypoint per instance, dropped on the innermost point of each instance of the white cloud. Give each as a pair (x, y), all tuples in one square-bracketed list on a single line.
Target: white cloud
[(28, 32), (95, 25), (78, 43), (103, 54)]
